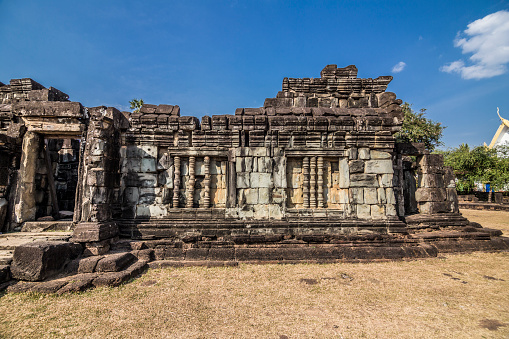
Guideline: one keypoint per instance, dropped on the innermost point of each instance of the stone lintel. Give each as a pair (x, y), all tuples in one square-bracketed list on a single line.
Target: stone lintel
[(48, 108)]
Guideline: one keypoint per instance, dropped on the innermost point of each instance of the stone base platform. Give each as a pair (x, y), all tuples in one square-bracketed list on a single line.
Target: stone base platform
[(484, 206), (225, 229), (129, 258), (210, 243)]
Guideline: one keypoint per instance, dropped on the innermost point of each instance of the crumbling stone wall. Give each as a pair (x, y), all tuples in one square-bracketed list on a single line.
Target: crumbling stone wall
[(319, 157)]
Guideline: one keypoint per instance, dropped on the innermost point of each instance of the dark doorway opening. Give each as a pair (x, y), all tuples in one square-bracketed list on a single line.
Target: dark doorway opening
[(57, 178)]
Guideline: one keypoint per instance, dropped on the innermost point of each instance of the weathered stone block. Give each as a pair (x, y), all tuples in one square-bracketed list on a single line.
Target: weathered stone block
[(275, 212), (251, 196), (100, 195), (431, 160), (377, 211), (261, 180), (278, 195), (41, 259), (390, 210), (279, 172), (158, 211), (133, 152), (243, 180), (114, 262), (452, 198), (363, 211), (239, 165), (364, 154), (261, 212), (87, 265), (264, 164), (432, 207), (248, 163), (389, 195), (148, 165), (96, 247), (370, 196), (264, 195), (381, 196), (423, 194), (356, 195), (343, 196), (377, 155), (252, 152), (87, 232), (378, 166), (147, 151), (147, 196), (386, 180), (142, 211), (363, 180), (116, 278), (344, 173), (131, 165), (356, 166), (352, 153), (431, 180), (147, 179)]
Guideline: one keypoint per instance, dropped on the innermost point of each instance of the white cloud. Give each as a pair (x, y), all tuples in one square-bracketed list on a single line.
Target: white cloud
[(487, 39), (398, 67)]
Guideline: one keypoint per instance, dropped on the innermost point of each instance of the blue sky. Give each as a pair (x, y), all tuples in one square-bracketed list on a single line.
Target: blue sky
[(210, 57)]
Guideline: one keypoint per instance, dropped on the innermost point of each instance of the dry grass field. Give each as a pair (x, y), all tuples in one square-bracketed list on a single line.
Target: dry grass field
[(453, 296)]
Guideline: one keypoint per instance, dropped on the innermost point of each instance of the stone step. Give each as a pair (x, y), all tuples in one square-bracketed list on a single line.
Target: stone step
[(181, 263), (6, 257), (38, 234), (80, 282), (42, 226), (115, 262), (9, 241)]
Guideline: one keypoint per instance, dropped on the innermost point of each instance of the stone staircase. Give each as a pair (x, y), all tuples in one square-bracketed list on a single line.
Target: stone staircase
[(9, 241)]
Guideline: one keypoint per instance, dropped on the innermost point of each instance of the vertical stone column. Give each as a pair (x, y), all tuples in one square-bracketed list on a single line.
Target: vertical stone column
[(191, 182), (305, 182), (320, 182), (176, 182), (25, 206), (312, 183), (206, 182), (231, 200)]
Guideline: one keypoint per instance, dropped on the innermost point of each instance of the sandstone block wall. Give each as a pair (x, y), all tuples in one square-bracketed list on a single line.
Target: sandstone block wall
[(322, 150)]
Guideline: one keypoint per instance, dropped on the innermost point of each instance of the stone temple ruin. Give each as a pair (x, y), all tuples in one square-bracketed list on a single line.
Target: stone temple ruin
[(314, 175)]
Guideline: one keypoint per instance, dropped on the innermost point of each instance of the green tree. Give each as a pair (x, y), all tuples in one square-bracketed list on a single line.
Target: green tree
[(479, 165), (136, 104), (417, 128)]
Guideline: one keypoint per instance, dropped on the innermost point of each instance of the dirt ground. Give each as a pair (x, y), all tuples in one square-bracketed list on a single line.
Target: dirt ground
[(491, 219), (452, 296)]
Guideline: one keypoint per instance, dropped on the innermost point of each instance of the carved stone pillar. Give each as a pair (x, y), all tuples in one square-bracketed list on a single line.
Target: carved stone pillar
[(320, 182), (25, 207), (176, 182), (305, 182), (312, 183), (206, 183), (190, 186)]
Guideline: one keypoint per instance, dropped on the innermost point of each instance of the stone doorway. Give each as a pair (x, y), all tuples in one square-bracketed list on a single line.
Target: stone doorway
[(63, 156), (48, 185)]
